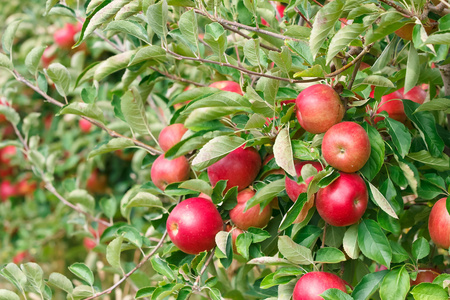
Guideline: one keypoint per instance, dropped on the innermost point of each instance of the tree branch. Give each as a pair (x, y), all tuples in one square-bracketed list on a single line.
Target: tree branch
[(358, 58), (303, 17), (398, 8)]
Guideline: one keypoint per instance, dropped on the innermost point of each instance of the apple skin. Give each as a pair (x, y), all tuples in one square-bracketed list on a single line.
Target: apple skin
[(47, 57), (25, 187), (294, 189), (439, 224), (393, 105), (7, 189), (406, 32), (344, 201), (229, 86), (90, 243), (6, 154), (425, 275), (318, 108), (311, 285), (193, 224), (240, 168), (416, 94), (85, 125), (165, 172), (64, 37), (21, 257), (171, 135), (346, 147), (97, 183), (252, 217)]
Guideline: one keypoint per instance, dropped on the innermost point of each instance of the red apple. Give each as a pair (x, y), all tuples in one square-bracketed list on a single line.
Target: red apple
[(253, 217), (416, 94), (21, 257), (425, 275), (439, 224), (7, 190), (97, 183), (392, 104), (240, 168), (25, 187), (318, 108), (311, 285), (294, 189), (165, 172), (6, 154), (90, 243), (235, 232), (64, 37), (273, 171), (346, 147), (193, 224), (48, 56), (85, 125), (344, 201), (363, 66), (171, 135), (229, 86)]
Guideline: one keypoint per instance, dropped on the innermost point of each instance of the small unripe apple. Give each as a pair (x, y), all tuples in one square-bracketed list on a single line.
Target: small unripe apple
[(393, 105), (425, 275), (318, 108), (416, 94), (85, 125), (406, 31), (64, 37), (294, 189), (346, 147), (7, 190), (171, 135), (229, 86), (165, 172), (193, 224), (252, 217), (439, 224), (240, 168), (344, 201), (311, 285)]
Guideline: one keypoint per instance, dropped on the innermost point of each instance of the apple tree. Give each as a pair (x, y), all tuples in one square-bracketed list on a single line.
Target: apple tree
[(226, 149)]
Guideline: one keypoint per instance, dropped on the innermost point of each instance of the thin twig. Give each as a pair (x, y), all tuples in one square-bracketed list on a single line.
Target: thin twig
[(359, 57), (355, 71), (125, 277), (318, 3), (303, 17), (176, 78), (208, 261), (398, 8)]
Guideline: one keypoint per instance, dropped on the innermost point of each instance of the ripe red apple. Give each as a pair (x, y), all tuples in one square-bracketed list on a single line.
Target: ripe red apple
[(171, 135), (165, 172), (425, 275), (25, 187), (346, 147), (97, 183), (3, 101), (344, 201), (392, 104), (416, 94), (439, 224), (85, 125), (280, 12), (6, 154), (311, 285), (294, 189), (21, 257), (240, 168), (64, 37), (90, 243), (48, 56), (318, 108), (252, 217), (7, 189), (193, 224), (229, 86)]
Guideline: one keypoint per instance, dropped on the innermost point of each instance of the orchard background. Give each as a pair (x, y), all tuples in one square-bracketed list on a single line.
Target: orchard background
[(87, 86)]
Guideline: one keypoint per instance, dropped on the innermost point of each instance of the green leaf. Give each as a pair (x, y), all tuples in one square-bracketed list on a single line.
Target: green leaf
[(49, 4), (400, 136), (149, 53), (197, 185), (271, 261), (376, 158), (10, 113), (252, 52), (423, 156), (350, 242), (144, 199), (189, 28), (293, 252), (162, 267), (270, 88), (302, 49), (335, 294), (377, 80), (314, 71), (439, 38), (381, 201), (112, 145), (12, 273), (131, 235), (243, 242), (34, 275), (33, 58), (113, 252), (395, 284), (145, 292), (61, 77), (216, 149), (368, 285), (113, 64), (8, 295), (412, 69), (82, 292), (439, 104), (134, 111), (386, 56), (425, 122), (373, 242), (293, 212), (108, 207), (82, 271), (60, 281), (420, 248), (5, 62), (304, 150), (329, 255), (256, 121), (83, 109), (324, 22), (30, 121), (127, 27), (82, 197), (157, 15), (282, 150), (216, 38), (429, 291), (343, 38), (390, 22), (266, 194), (282, 59), (8, 36)]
